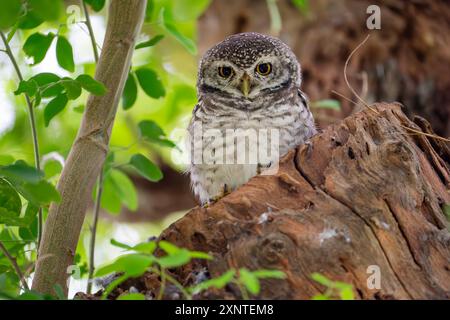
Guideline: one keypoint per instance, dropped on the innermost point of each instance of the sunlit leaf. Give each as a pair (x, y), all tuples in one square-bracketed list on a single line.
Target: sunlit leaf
[(54, 107), (168, 247), (37, 45), (347, 293), (64, 54), (150, 43), (170, 26), (9, 13), (46, 10), (321, 279), (129, 92), (175, 260), (131, 296), (118, 244), (249, 280), (218, 282), (150, 83), (90, 84), (263, 274), (146, 168), (132, 265)]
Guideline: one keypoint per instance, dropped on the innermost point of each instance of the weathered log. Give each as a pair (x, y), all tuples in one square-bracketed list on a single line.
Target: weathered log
[(363, 192)]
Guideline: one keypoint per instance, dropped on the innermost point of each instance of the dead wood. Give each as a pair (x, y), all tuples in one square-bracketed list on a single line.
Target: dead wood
[(364, 192)]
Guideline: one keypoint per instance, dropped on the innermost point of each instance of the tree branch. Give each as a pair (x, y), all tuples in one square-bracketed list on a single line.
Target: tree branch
[(14, 264), (89, 150)]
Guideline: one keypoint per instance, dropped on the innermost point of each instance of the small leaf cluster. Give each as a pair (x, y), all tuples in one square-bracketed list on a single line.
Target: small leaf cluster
[(335, 289)]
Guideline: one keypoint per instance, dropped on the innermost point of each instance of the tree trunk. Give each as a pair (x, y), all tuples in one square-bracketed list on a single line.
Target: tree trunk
[(63, 225), (363, 193)]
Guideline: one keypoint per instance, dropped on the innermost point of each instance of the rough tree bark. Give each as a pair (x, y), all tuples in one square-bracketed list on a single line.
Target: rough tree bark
[(63, 225), (364, 192)]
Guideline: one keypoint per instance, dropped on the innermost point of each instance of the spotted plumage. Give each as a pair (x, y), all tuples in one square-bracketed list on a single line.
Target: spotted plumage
[(248, 85)]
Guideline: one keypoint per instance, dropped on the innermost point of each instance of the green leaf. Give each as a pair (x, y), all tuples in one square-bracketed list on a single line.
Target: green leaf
[(48, 83), (64, 54), (79, 109), (29, 87), (249, 280), (110, 201), (175, 260), (131, 296), (96, 5), (6, 159), (9, 199), (47, 10), (133, 265), (9, 13), (150, 43), (90, 84), (327, 104), (153, 133), (150, 83), (118, 244), (322, 279), (200, 255), (146, 168), (41, 193), (54, 107), (218, 282), (145, 247), (446, 209), (168, 247), (29, 21), (37, 45), (320, 297), (72, 87), (125, 189), (263, 274), (129, 92), (20, 170), (347, 293), (302, 5), (169, 24)]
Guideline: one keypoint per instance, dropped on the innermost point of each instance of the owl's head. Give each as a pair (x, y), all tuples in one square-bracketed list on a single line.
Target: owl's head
[(248, 66)]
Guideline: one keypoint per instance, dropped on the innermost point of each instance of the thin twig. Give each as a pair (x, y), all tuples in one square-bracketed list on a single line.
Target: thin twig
[(32, 120), (275, 17), (345, 74), (98, 197), (91, 31), (15, 265)]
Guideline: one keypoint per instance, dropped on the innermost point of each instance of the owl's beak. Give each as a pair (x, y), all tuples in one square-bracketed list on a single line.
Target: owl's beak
[(245, 84)]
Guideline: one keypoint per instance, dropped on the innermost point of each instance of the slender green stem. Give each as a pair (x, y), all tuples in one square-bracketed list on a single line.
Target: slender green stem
[(14, 264), (32, 120), (173, 281), (91, 31), (98, 197)]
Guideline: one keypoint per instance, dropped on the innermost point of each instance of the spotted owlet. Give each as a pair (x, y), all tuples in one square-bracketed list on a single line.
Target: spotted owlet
[(250, 112)]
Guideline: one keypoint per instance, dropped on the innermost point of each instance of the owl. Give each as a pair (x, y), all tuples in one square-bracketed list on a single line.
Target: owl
[(250, 112)]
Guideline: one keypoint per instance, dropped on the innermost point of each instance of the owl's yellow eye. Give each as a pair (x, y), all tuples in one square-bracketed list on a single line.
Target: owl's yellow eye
[(225, 72), (264, 69)]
